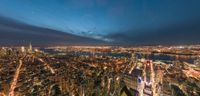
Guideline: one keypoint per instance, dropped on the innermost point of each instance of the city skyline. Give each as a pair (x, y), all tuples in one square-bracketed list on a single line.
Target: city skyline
[(99, 48)]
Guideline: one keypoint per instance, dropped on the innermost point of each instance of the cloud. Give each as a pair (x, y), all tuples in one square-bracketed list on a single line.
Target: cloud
[(17, 33), (187, 32)]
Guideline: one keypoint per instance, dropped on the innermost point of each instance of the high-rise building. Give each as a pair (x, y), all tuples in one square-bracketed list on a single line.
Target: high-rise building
[(22, 49), (30, 48)]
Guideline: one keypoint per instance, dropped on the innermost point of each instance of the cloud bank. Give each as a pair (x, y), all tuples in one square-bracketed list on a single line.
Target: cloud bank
[(13, 32), (187, 32)]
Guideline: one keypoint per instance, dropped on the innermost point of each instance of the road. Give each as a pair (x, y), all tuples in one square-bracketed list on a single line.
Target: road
[(47, 65), (14, 82)]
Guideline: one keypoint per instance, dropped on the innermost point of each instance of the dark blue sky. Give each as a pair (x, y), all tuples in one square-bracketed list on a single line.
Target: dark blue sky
[(102, 19)]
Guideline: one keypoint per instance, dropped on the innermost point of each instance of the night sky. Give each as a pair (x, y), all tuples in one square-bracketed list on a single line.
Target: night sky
[(106, 21)]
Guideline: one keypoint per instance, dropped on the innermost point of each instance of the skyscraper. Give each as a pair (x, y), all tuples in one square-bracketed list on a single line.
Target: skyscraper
[(22, 49), (30, 48)]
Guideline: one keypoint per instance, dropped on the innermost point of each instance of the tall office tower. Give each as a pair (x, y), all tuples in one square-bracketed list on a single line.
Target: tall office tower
[(22, 49), (30, 48)]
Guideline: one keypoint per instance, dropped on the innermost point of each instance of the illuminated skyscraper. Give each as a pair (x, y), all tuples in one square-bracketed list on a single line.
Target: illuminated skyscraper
[(23, 49), (30, 48)]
